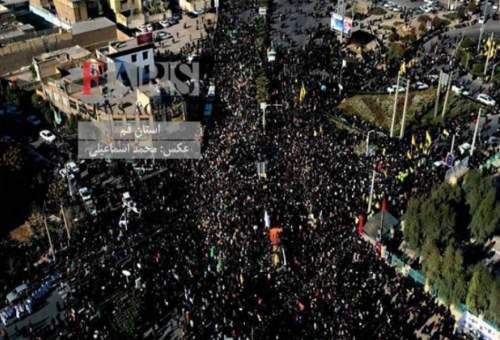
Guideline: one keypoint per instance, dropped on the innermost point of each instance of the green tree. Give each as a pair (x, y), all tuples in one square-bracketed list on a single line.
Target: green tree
[(451, 285), (479, 290), (413, 231), (431, 262), (486, 218), (493, 312), (474, 188), (439, 216)]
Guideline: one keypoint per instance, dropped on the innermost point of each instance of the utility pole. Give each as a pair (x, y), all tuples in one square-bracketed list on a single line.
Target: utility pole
[(371, 194), (475, 133), (403, 120), (438, 94), (395, 108), (368, 142), (448, 89), (52, 250), (65, 224), (481, 31)]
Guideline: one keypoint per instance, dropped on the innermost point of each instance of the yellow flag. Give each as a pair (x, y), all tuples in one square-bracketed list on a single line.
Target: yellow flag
[(428, 138), (408, 155), (303, 93), (413, 140), (402, 69), (421, 146), (446, 133)]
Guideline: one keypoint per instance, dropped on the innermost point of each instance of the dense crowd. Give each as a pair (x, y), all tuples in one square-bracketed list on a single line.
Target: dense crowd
[(199, 258)]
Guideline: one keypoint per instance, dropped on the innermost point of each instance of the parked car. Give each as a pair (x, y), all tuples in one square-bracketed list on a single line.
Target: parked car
[(47, 136), (459, 90), (85, 193), (392, 88), (163, 35), (485, 99), (421, 86)]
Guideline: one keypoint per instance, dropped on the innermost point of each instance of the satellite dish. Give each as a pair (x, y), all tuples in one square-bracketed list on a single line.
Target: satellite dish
[(126, 273)]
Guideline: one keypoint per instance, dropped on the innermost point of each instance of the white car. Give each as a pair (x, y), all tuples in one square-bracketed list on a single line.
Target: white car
[(47, 136), (485, 99), (85, 193), (71, 167), (63, 172), (91, 208), (163, 35), (164, 23), (392, 88), (421, 86)]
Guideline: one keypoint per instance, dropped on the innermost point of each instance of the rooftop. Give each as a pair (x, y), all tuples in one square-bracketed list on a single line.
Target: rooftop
[(117, 48), (92, 25), (74, 52)]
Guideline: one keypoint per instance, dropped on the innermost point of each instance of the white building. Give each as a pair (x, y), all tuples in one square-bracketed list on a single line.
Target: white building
[(131, 61)]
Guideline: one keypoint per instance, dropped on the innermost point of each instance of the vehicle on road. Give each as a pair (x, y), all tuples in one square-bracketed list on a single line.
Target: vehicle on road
[(85, 193), (47, 136), (485, 99)]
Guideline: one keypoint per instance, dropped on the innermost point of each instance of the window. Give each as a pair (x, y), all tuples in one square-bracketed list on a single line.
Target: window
[(134, 58), (145, 55)]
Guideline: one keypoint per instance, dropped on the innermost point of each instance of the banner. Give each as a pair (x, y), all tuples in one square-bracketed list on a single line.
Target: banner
[(341, 24), (337, 22), (347, 25)]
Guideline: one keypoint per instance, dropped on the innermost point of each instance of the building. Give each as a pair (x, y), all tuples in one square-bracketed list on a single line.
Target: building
[(17, 7), (128, 13), (133, 59), (71, 11), (117, 85), (49, 65), (10, 29), (195, 5)]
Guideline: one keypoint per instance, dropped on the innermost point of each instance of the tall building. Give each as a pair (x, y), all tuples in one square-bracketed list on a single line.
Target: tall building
[(71, 11)]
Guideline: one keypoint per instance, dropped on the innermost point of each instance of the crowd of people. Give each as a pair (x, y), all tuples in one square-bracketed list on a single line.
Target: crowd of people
[(198, 261)]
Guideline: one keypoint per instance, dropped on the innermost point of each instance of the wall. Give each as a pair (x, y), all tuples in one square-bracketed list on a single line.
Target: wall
[(21, 53)]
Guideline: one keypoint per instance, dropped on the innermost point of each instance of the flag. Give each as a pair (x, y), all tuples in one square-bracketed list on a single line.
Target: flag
[(361, 223), (409, 155), (402, 69), (384, 204), (413, 140), (267, 220), (428, 138), (446, 133), (303, 93)]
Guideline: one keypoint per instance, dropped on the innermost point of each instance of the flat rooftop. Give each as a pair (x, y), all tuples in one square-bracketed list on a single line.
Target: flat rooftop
[(73, 52), (92, 25)]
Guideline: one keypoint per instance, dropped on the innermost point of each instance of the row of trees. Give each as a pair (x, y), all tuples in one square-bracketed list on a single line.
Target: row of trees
[(448, 224)]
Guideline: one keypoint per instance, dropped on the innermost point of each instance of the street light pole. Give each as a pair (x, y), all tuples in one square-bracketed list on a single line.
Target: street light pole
[(475, 133), (371, 194), (395, 105), (368, 141)]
